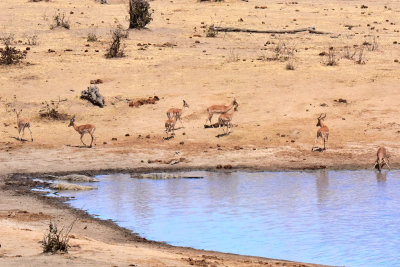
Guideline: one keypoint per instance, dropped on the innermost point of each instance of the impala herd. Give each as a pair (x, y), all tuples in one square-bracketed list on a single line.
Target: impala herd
[(224, 120)]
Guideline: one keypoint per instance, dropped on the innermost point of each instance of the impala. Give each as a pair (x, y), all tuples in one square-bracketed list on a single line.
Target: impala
[(170, 126), (22, 124), (381, 158), (323, 131), (83, 129), (220, 109), (177, 112), (225, 120)]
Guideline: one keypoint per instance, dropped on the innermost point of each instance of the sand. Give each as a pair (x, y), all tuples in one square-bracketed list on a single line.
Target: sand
[(274, 128)]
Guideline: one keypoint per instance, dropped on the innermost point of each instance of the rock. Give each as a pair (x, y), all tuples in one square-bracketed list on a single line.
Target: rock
[(92, 94), (69, 186), (77, 178), (228, 167), (114, 139), (219, 166), (127, 134)]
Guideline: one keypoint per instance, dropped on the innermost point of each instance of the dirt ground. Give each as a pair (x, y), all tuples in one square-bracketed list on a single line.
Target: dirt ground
[(174, 60)]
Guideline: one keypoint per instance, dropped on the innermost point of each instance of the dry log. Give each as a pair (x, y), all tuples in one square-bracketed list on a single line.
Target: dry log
[(232, 29)]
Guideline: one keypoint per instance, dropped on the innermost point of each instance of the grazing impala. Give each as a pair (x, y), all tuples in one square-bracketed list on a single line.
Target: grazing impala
[(83, 129), (322, 132), (170, 126), (220, 109), (381, 158), (177, 112), (225, 120), (22, 124)]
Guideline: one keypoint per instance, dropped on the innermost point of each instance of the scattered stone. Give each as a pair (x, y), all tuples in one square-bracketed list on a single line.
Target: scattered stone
[(324, 105), (92, 94), (96, 81), (104, 143), (51, 51), (227, 167), (341, 100), (127, 134), (182, 143), (114, 139), (148, 136), (219, 166)]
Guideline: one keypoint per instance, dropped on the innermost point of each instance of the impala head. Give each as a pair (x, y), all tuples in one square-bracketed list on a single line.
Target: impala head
[(17, 112), (321, 118), (72, 121), (236, 104), (185, 104)]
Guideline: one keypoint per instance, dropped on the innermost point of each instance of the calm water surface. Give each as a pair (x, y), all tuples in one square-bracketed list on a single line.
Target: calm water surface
[(349, 218)]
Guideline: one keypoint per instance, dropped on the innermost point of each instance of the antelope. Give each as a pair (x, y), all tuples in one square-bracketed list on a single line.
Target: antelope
[(381, 158), (322, 132), (220, 109), (22, 124), (83, 129), (170, 126), (177, 112), (225, 120)]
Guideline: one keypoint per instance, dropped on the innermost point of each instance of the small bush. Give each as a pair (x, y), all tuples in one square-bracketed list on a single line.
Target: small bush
[(348, 54), (116, 47), (290, 64), (10, 55), (60, 21), (50, 111), (361, 56), (55, 240), (332, 58), (139, 14), (92, 37), (211, 32), (232, 56), (31, 39)]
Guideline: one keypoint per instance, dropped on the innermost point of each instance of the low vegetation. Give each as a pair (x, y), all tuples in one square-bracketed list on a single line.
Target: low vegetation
[(59, 20), (56, 240), (117, 47), (92, 37), (8, 54), (332, 58), (50, 111), (139, 14), (211, 32)]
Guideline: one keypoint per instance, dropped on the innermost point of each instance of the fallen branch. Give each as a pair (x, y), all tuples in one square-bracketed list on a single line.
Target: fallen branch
[(231, 29)]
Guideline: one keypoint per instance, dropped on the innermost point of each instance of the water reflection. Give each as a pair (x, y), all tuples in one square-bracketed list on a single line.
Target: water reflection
[(346, 218), (381, 177)]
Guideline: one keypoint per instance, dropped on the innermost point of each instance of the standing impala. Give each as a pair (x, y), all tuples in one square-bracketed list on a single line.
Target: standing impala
[(323, 131), (177, 112), (83, 129), (225, 119), (220, 109), (22, 124), (381, 158), (170, 126)]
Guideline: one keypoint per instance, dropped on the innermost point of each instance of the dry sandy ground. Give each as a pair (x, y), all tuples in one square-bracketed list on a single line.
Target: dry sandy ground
[(275, 125)]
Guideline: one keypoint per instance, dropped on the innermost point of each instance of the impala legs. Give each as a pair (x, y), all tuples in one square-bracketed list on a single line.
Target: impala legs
[(29, 128), (210, 117)]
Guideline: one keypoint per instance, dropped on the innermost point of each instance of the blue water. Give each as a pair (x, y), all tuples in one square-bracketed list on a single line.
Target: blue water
[(349, 218)]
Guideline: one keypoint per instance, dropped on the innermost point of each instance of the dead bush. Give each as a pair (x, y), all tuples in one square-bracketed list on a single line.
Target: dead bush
[(372, 44), (31, 39), (116, 48), (56, 240), (59, 20), (331, 57), (139, 14), (211, 32), (283, 51), (92, 37), (348, 54), (9, 54), (361, 56), (232, 56), (50, 111), (290, 64)]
